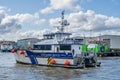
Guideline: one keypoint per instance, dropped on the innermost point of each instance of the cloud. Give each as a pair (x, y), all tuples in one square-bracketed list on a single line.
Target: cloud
[(25, 34), (31, 34), (54, 22), (29, 18), (89, 20), (46, 10), (7, 23), (113, 22), (13, 23), (80, 22), (61, 4), (39, 22), (2, 13)]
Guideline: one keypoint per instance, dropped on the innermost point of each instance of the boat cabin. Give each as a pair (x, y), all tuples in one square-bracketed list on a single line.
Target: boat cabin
[(58, 48)]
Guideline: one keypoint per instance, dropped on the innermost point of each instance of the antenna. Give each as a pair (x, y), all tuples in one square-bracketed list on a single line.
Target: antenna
[(62, 19), (63, 22), (63, 14)]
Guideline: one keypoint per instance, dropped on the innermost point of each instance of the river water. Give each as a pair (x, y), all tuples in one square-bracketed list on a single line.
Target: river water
[(10, 70)]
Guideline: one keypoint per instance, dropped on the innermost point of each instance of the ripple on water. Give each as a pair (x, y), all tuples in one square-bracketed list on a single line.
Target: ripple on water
[(9, 70)]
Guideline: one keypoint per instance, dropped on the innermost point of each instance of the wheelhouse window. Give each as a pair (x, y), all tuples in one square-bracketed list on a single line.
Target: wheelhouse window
[(42, 47), (65, 47)]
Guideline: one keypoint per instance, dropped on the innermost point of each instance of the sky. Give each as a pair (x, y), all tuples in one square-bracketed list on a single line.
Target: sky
[(21, 19)]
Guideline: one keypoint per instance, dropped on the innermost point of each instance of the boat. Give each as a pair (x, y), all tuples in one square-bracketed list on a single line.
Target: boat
[(57, 49), (6, 47)]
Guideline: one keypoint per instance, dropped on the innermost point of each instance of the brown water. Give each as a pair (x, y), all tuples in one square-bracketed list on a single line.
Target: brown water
[(9, 70)]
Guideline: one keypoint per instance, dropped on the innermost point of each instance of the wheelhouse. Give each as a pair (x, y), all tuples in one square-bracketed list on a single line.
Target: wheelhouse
[(58, 48), (53, 47)]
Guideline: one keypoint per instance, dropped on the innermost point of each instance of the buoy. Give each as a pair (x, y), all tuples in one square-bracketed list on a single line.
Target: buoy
[(22, 52), (13, 51), (52, 61), (67, 62)]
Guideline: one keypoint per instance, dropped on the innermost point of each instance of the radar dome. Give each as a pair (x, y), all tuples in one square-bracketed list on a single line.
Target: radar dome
[(65, 22)]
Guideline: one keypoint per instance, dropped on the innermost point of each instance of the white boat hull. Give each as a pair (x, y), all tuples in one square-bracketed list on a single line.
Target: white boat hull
[(26, 59)]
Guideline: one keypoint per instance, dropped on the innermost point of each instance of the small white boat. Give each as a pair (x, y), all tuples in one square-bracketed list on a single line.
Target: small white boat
[(6, 47), (57, 49)]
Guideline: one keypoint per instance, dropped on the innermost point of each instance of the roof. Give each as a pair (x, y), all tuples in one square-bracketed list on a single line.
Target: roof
[(97, 41), (28, 39), (109, 35), (7, 42), (52, 34)]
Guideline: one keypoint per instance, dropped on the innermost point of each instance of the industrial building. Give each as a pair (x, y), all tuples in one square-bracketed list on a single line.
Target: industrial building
[(26, 43), (113, 41)]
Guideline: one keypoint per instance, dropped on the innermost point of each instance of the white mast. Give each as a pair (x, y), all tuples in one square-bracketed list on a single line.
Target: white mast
[(61, 35), (63, 23)]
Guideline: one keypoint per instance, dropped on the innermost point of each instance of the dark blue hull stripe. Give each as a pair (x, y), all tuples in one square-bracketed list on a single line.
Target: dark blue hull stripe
[(36, 61), (32, 60), (34, 55)]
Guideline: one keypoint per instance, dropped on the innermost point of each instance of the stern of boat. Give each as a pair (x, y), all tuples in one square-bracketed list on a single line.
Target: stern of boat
[(90, 59)]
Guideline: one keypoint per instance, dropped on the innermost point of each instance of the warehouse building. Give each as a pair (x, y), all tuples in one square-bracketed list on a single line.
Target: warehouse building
[(113, 41), (26, 43)]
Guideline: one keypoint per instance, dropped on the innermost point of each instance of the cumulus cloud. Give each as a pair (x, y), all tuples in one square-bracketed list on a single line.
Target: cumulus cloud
[(81, 23), (7, 23), (29, 18), (90, 21), (25, 34), (54, 22), (46, 10), (2, 13), (13, 23), (32, 33), (61, 4)]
